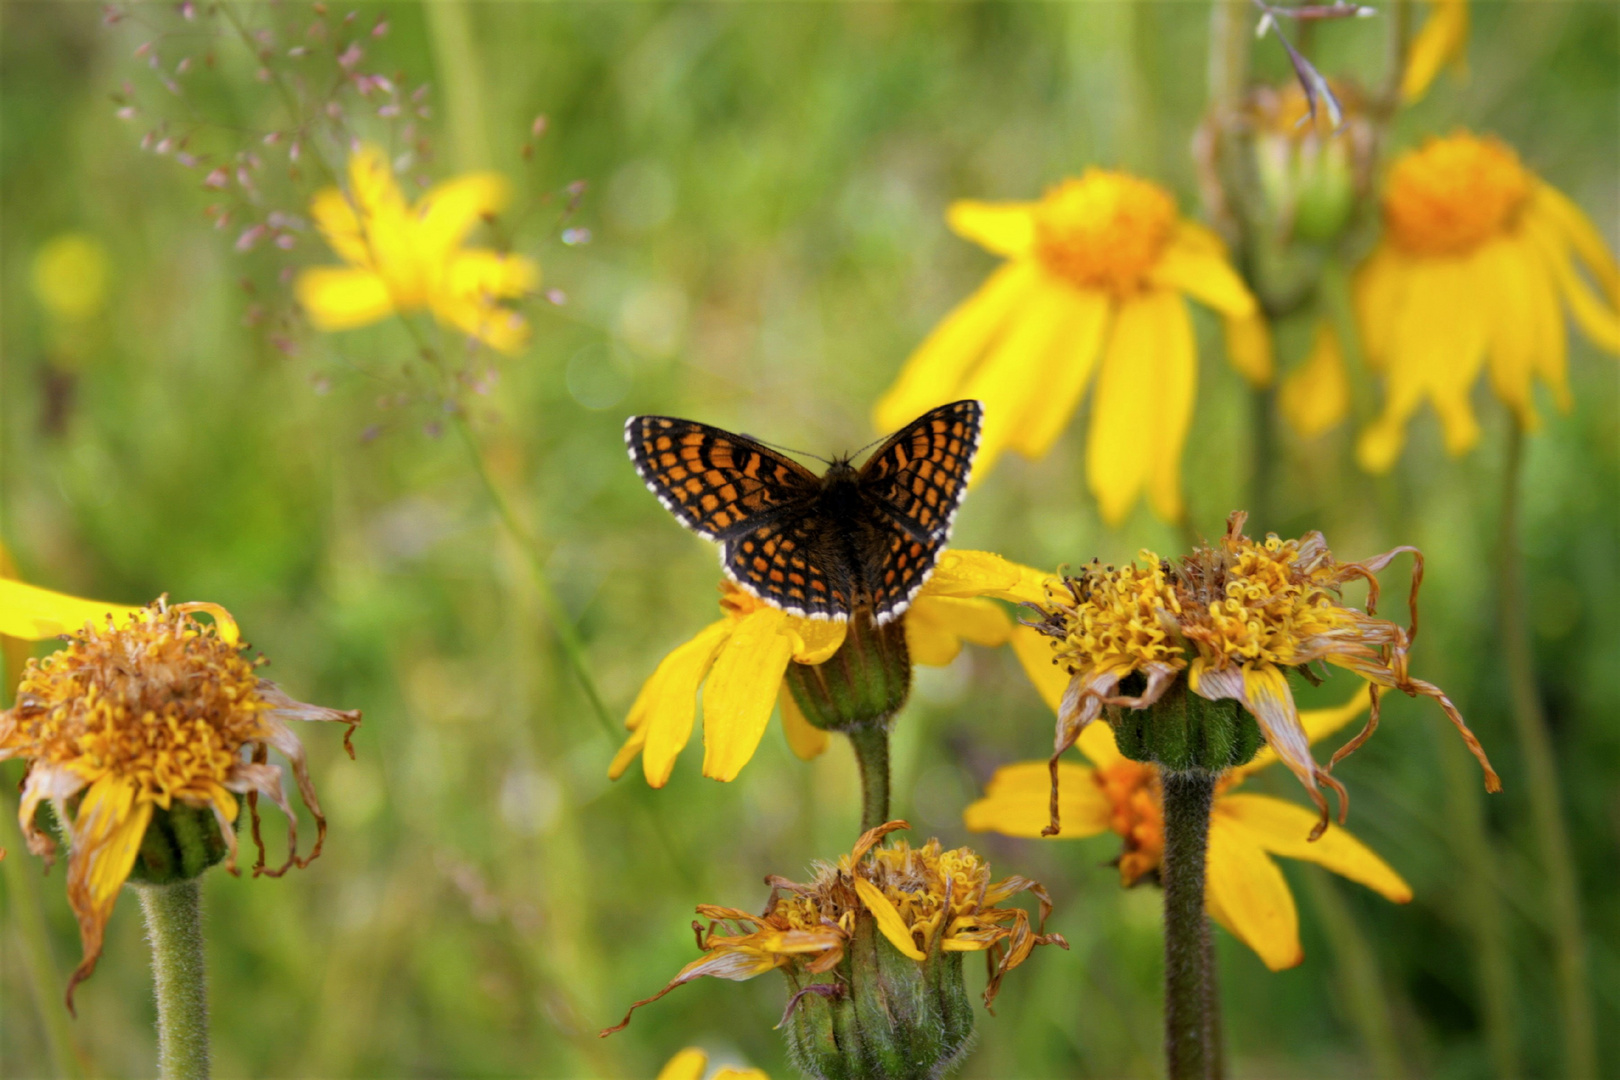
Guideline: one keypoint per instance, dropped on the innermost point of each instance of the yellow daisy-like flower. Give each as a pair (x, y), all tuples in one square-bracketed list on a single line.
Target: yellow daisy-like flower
[(1097, 275), (1233, 619), (739, 662), (1246, 892), (925, 901), (1477, 260), (405, 257), (1444, 38), (692, 1063), (142, 709)]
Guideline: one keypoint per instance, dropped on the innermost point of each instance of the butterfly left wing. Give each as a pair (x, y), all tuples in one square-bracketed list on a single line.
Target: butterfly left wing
[(717, 484), (915, 483)]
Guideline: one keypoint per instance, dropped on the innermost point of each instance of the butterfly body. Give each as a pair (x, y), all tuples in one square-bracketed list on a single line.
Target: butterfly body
[(852, 541)]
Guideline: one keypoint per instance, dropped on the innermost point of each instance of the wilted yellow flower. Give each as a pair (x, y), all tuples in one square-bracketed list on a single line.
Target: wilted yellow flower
[(1477, 260), (1246, 891), (692, 1063), (137, 714), (1234, 619), (1444, 37), (1097, 277), (70, 276), (740, 662), (405, 257), (927, 903)]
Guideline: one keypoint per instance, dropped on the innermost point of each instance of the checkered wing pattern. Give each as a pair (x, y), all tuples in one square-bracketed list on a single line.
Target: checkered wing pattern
[(796, 562), (717, 484), (914, 484)]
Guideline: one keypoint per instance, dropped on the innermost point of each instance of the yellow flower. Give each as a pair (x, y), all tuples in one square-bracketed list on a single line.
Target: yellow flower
[(740, 662), (141, 711), (925, 901), (70, 276), (1444, 37), (691, 1063), (1246, 893), (405, 258), (1097, 274), (1234, 619), (1477, 259)]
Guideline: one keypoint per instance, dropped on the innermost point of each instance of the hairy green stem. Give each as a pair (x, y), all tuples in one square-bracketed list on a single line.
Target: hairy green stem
[(1228, 74), (1541, 781), (1190, 989), (871, 743), (174, 927)]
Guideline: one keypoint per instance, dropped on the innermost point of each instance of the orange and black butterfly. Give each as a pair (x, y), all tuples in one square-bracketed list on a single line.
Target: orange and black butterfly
[(827, 546)]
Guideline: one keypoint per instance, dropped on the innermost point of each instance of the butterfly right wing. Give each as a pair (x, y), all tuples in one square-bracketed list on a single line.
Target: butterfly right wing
[(717, 484)]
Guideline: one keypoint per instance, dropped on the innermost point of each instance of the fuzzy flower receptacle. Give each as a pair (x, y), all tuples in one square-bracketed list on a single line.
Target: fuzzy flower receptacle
[(405, 257), (142, 713), (1230, 621), (1094, 290), (1478, 261), (1246, 893), (740, 663)]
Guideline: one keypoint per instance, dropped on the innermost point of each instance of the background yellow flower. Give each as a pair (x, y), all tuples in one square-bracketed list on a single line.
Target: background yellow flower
[(1097, 277)]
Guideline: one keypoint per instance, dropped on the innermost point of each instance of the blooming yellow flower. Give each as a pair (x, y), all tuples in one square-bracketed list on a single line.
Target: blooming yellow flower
[(1246, 893), (740, 661), (1444, 37), (925, 901), (141, 710), (1235, 619), (1097, 274), (691, 1063), (1477, 258), (406, 257)]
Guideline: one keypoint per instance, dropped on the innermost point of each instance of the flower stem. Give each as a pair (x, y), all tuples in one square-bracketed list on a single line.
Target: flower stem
[(174, 927), (1189, 970), (561, 622), (1541, 776), (871, 742)]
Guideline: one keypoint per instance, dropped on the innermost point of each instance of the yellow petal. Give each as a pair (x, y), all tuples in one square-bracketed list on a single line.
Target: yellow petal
[(936, 626), (1005, 228), (962, 573), (728, 1073), (336, 221), (1318, 724), (1012, 381), (888, 919), (1378, 293), (805, 739), (502, 329), (1599, 319), (934, 373), (107, 832), (1142, 406), (1205, 275), (449, 211), (1097, 743), (1034, 652), (741, 691), (1444, 37), (1246, 893), (1504, 266), (1575, 226), (1074, 358), (1248, 348), (815, 640), (34, 614), (686, 1065), (1017, 801), (342, 298), (1281, 828), (664, 711), (627, 753), (1315, 397)]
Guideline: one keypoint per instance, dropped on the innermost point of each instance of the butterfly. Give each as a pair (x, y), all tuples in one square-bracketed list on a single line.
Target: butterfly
[(821, 547)]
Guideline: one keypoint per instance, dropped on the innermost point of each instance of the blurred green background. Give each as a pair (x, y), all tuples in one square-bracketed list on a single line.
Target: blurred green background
[(765, 197)]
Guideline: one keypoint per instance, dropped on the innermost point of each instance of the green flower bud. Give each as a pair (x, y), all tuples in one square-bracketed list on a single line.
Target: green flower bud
[(862, 685)]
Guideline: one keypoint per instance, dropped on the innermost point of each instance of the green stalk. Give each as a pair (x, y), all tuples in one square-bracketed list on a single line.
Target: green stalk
[(33, 937), (871, 743), (1541, 781), (1190, 1039), (1229, 22), (456, 58), (1359, 977), (561, 622), (174, 927)]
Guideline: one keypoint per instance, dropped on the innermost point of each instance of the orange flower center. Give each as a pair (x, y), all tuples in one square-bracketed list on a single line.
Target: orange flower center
[(1105, 230), (1454, 195), (1137, 815)]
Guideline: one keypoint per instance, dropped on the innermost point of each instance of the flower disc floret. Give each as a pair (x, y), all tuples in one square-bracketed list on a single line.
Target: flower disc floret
[(1455, 194), (1104, 230)]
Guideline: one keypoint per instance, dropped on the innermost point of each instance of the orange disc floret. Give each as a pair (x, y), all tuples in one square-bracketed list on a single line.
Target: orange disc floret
[(1104, 230), (1454, 194)]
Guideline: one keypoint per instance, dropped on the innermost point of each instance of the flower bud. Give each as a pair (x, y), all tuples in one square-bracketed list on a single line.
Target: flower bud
[(863, 684)]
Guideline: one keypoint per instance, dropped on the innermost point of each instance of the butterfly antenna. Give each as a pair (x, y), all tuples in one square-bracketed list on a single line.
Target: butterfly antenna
[(789, 449), (867, 447)]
